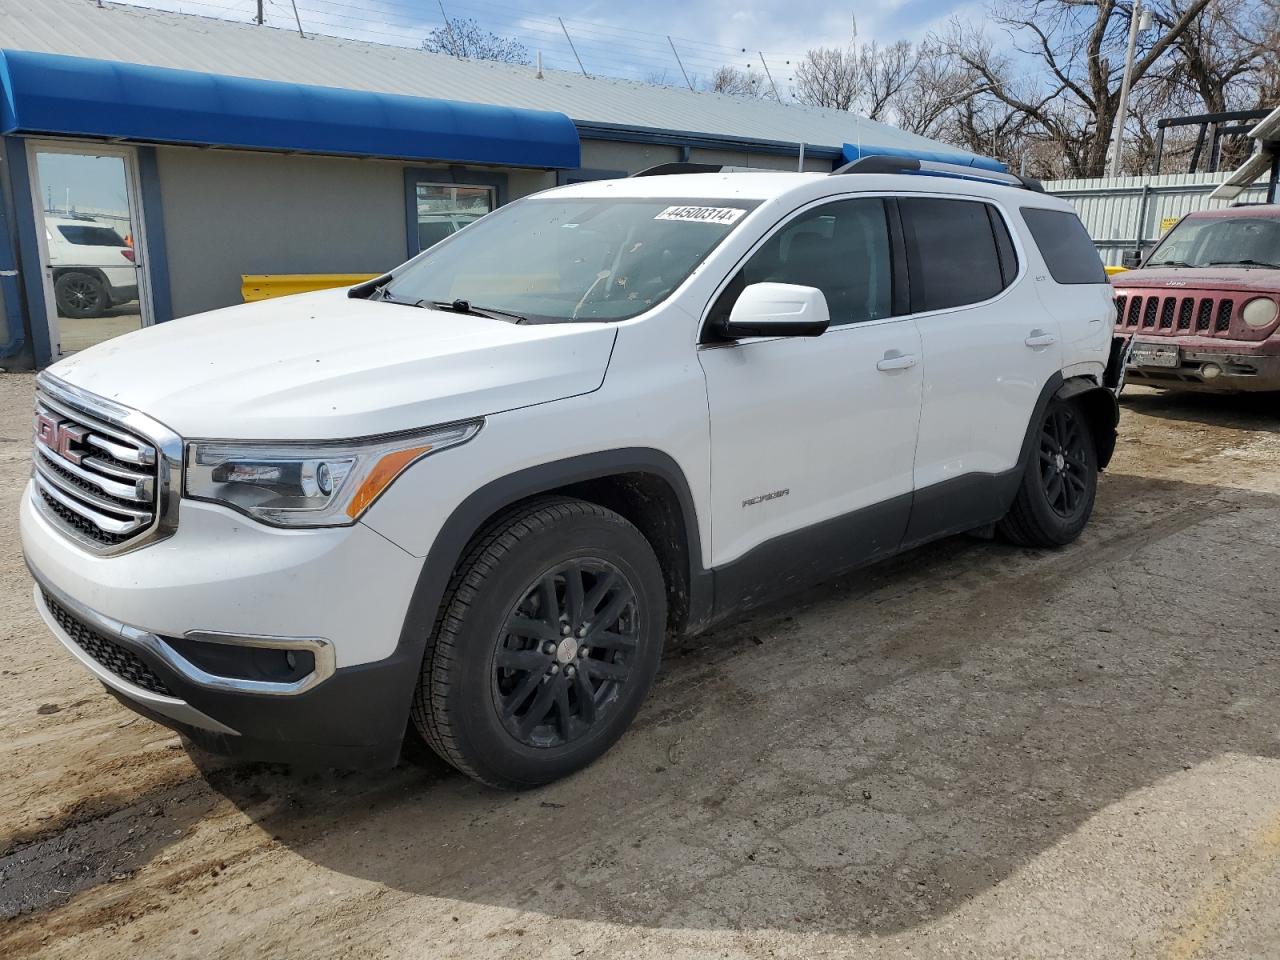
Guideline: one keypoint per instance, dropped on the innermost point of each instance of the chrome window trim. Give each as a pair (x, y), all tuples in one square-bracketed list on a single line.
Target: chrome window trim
[(321, 649), (115, 417)]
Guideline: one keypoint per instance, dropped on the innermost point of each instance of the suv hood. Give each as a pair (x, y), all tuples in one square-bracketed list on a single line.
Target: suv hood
[(1261, 279), (320, 366)]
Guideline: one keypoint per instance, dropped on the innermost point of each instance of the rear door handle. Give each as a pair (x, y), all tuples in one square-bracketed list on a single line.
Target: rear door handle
[(893, 360), (1039, 338)]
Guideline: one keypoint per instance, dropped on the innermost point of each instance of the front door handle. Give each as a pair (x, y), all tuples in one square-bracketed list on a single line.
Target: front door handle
[(893, 360), (1039, 338)]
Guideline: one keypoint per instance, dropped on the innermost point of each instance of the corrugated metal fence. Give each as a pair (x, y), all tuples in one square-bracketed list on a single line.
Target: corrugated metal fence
[(1123, 213)]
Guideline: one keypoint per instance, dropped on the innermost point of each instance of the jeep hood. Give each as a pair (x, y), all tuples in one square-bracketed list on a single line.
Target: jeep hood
[(1173, 279), (321, 366)]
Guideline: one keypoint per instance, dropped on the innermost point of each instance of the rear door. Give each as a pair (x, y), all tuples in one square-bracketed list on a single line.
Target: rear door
[(1073, 287), (989, 347), (812, 438)]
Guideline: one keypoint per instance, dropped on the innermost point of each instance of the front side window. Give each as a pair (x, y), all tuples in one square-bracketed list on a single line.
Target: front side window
[(1220, 242), (952, 252), (842, 248), (557, 260)]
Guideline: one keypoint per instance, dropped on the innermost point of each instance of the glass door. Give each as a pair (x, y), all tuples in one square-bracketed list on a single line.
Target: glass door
[(88, 222)]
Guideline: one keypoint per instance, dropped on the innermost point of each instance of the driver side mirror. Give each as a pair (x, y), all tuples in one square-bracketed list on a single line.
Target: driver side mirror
[(778, 310)]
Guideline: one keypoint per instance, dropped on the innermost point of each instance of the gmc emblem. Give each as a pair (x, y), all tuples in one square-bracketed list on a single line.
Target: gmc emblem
[(59, 435)]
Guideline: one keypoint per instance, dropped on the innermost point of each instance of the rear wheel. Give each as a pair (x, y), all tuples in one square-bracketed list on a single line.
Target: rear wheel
[(547, 644), (80, 295), (1056, 497)]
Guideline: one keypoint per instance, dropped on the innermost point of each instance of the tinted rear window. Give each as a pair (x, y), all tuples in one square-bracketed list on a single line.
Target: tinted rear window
[(91, 236), (952, 252), (1066, 246)]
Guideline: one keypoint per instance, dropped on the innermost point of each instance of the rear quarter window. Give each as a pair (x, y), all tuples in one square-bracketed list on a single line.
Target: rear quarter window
[(91, 236), (1065, 244)]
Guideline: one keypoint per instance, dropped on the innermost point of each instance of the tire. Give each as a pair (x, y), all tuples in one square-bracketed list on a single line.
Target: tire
[(1055, 498), (80, 295), (508, 698)]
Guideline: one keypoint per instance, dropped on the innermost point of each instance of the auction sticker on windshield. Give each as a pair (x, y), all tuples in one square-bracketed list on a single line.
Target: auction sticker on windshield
[(702, 214)]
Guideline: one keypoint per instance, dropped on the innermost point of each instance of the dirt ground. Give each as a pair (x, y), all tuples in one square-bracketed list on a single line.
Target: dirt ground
[(971, 751)]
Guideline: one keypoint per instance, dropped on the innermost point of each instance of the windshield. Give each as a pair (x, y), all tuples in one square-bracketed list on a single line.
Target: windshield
[(1237, 241), (557, 260)]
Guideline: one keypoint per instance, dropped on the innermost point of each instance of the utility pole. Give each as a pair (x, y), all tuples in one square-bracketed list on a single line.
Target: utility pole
[(677, 53), (769, 75), (259, 19), (1140, 19), (572, 47)]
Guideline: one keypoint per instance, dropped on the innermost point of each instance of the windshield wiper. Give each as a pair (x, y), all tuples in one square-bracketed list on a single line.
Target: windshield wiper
[(1168, 263), (464, 306), (1246, 262)]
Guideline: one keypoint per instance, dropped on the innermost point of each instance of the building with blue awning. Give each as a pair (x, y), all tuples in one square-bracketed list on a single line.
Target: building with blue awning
[(151, 159)]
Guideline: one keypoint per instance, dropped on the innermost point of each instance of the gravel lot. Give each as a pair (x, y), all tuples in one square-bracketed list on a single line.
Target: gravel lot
[(971, 751)]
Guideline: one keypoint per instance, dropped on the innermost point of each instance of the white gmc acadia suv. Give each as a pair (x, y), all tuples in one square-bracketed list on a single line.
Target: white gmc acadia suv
[(474, 497)]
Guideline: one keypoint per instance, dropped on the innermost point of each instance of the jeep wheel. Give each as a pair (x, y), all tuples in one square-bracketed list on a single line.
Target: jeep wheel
[(80, 295), (547, 643), (1061, 480)]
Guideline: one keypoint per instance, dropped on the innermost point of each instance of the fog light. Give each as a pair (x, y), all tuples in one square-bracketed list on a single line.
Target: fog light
[(1211, 371)]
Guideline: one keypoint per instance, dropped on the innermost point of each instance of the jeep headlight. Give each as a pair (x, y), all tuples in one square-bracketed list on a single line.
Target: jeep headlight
[(325, 484), (1259, 312)]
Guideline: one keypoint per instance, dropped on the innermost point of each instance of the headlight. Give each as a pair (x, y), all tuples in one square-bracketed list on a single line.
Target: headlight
[(309, 484), (1259, 312)]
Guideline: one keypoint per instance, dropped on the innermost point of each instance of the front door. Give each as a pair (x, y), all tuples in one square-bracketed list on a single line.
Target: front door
[(813, 439), (91, 236)]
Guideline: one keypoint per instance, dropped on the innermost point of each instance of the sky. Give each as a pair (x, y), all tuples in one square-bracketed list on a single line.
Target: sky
[(620, 37)]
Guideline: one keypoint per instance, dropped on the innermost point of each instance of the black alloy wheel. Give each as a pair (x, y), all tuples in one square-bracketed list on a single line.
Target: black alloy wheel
[(563, 653), (545, 645), (80, 295), (1059, 481), (1065, 468)]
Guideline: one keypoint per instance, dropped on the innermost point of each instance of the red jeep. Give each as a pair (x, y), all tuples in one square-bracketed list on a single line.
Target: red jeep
[(1203, 310)]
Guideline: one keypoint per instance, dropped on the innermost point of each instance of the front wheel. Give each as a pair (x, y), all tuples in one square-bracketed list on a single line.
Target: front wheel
[(547, 643), (1058, 488)]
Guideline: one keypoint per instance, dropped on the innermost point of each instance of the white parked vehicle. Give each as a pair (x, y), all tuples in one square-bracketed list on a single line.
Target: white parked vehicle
[(93, 266), (478, 494)]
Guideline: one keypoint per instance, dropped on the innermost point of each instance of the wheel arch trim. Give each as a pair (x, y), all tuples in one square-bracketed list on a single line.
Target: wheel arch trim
[(470, 516), (1101, 408)]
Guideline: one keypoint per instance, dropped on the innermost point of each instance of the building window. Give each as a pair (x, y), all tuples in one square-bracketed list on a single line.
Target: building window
[(441, 201), (444, 209)]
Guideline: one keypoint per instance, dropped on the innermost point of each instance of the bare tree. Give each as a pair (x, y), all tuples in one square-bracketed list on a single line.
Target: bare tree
[(828, 77), (464, 38), (1079, 50), (737, 82)]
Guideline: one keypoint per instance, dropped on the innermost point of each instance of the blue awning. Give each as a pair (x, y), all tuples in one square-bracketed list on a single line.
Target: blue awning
[(74, 96), (854, 152)]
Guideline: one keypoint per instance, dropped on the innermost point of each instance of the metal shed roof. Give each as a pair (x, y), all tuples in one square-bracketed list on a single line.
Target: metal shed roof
[(137, 35)]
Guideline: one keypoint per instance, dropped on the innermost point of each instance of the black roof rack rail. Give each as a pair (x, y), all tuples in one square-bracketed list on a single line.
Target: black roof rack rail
[(880, 163), (663, 169)]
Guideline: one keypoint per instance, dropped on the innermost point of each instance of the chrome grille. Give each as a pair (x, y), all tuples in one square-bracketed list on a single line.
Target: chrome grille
[(99, 482)]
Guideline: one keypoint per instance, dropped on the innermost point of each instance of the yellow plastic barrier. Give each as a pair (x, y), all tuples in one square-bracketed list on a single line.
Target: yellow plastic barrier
[(1112, 270), (265, 286)]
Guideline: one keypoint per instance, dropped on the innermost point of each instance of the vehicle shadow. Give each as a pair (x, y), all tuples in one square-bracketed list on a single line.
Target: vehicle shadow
[(869, 757), (1243, 411)]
